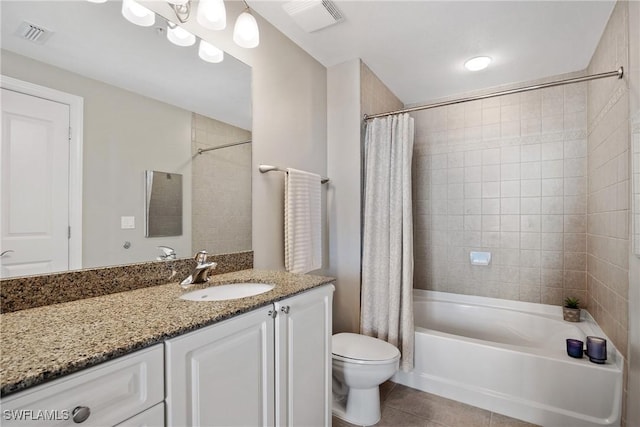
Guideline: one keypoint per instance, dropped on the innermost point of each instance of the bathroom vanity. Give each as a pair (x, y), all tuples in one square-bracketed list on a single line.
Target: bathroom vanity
[(226, 374), (261, 360)]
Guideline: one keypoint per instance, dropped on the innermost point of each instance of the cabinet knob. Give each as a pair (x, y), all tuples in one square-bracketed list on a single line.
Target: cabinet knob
[(80, 414), (285, 309), (272, 314)]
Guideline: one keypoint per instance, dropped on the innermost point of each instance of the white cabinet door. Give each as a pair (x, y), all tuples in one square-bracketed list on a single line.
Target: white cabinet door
[(223, 375), (303, 359), (152, 417)]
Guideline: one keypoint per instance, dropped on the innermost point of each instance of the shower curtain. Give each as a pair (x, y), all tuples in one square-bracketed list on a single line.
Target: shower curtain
[(387, 255)]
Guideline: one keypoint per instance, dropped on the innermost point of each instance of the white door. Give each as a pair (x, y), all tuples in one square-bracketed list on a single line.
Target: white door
[(303, 359), (222, 375), (34, 189)]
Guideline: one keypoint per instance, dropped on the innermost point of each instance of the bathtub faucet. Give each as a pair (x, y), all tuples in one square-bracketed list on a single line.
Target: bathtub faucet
[(201, 272)]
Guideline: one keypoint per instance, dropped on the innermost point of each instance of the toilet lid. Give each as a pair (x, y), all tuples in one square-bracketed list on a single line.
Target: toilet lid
[(362, 347)]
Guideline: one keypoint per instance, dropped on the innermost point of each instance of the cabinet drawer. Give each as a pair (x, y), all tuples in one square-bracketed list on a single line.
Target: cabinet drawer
[(113, 392)]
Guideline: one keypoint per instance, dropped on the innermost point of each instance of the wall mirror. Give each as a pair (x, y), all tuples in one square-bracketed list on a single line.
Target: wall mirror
[(147, 105)]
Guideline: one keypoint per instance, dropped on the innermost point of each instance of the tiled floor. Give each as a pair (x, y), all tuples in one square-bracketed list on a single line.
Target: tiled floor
[(405, 407)]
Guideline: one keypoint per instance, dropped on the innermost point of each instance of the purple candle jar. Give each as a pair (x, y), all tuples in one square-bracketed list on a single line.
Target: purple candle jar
[(575, 348), (597, 349)]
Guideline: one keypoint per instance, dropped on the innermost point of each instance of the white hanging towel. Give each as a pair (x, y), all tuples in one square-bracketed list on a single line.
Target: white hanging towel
[(302, 230)]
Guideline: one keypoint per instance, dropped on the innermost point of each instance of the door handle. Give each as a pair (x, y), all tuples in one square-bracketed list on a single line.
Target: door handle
[(6, 252)]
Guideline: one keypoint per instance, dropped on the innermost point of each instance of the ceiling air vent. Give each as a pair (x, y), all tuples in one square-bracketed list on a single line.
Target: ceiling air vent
[(313, 15), (33, 33)]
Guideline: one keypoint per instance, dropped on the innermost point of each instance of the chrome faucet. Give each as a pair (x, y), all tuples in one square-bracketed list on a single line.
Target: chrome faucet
[(201, 272), (167, 253), (169, 256)]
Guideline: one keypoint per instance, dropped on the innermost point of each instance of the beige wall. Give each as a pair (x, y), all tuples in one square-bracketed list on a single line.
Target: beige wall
[(375, 96), (504, 175), (608, 202), (124, 135), (221, 187), (608, 185), (613, 269), (353, 90), (343, 151), (289, 92), (633, 74)]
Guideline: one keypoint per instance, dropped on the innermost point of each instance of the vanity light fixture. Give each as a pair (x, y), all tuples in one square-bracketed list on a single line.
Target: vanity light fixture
[(478, 63), (182, 9), (212, 14), (245, 32), (179, 36), (137, 14), (209, 52)]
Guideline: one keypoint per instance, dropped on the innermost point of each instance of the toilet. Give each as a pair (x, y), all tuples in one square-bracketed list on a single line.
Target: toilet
[(360, 365)]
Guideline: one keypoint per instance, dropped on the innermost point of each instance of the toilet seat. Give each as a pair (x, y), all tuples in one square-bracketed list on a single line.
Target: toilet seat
[(362, 349)]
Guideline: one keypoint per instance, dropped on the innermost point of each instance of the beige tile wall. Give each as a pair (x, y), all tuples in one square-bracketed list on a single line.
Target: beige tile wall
[(504, 175), (375, 96), (608, 171), (221, 187), (635, 178), (608, 184), (632, 385)]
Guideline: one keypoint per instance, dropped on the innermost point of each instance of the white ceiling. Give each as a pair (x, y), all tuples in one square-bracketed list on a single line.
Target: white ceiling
[(94, 40), (418, 47)]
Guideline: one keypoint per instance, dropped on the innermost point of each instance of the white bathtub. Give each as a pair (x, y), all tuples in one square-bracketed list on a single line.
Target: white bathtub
[(510, 357)]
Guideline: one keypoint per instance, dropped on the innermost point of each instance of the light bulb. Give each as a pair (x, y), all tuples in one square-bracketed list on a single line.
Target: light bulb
[(209, 52), (179, 36), (137, 14), (245, 32), (478, 63), (212, 14)]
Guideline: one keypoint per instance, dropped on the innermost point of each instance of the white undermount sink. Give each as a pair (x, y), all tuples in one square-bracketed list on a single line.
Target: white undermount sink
[(227, 292)]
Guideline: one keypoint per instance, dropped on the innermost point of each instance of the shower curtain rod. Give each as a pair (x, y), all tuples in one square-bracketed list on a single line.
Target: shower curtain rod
[(231, 144), (618, 73)]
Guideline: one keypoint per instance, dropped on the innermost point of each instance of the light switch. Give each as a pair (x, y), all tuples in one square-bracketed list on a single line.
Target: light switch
[(127, 222)]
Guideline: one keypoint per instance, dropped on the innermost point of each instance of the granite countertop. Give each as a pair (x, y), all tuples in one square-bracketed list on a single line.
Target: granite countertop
[(44, 343)]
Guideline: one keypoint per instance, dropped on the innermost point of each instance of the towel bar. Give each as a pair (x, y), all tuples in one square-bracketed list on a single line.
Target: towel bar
[(269, 168)]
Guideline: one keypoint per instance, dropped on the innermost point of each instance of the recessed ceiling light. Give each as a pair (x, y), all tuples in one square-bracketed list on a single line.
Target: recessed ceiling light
[(478, 63)]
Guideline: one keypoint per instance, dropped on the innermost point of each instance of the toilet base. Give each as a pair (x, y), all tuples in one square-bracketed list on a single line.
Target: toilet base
[(362, 407)]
